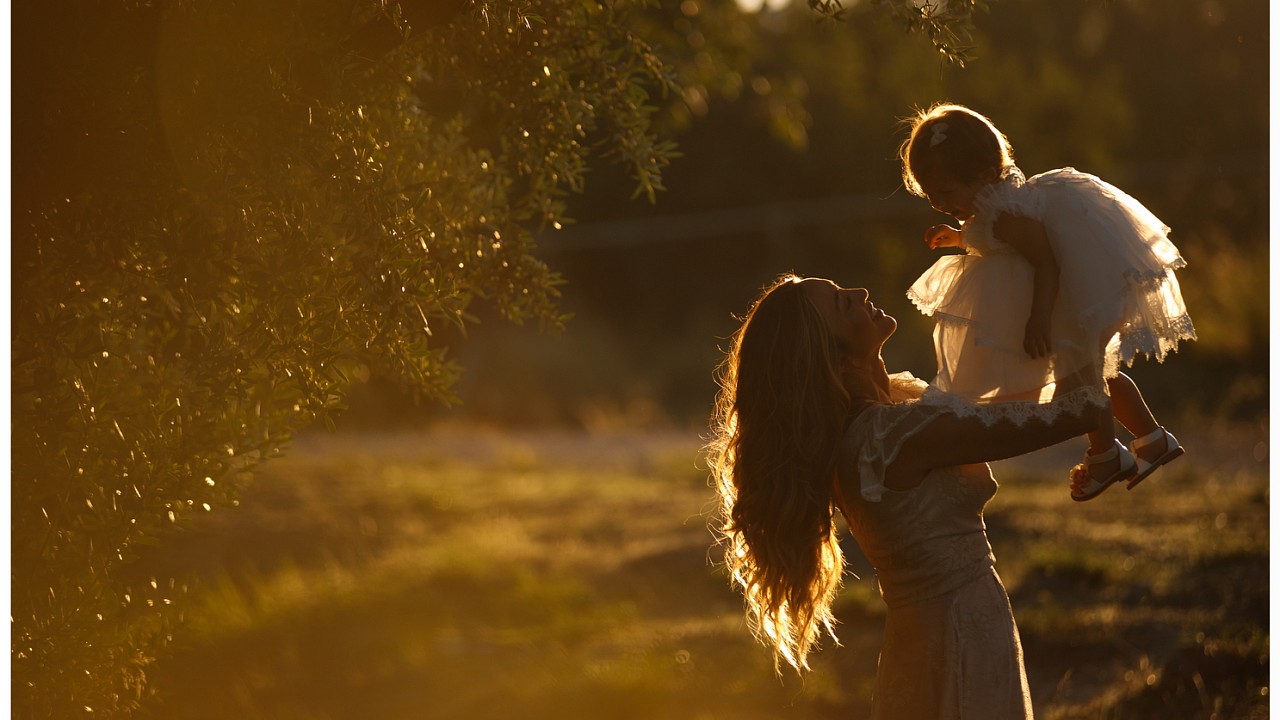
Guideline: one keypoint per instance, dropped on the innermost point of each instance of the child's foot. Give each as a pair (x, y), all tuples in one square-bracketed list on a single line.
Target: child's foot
[(1099, 472), (1153, 450)]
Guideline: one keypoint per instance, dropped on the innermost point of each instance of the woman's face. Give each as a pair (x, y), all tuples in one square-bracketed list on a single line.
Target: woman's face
[(860, 327)]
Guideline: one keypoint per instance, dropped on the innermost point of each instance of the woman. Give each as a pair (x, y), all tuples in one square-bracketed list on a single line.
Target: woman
[(809, 421)]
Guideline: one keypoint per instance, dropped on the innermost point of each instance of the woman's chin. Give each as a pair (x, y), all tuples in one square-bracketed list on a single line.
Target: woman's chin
[(886, 321)]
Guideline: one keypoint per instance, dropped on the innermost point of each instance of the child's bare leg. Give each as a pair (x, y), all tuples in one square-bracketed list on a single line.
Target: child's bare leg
[(1103, 438), (1099, 470), (1129, 407), (1106, 461), (1131, 410)]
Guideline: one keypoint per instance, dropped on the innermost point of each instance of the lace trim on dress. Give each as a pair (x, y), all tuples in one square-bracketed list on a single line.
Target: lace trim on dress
[(1141, 340), (1152, 343), (925, 307), (929, 308), (1018, 412), (1151, 286), (1149, 329)]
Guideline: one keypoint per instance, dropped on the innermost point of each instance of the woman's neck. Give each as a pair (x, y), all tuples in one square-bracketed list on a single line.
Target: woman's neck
[(867, 379)]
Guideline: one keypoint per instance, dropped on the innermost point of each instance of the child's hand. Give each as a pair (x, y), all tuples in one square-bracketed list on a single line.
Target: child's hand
[(940, 236), (1037, 342)]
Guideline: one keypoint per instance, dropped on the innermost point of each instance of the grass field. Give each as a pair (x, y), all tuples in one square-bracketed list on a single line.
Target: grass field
[(481, 575)]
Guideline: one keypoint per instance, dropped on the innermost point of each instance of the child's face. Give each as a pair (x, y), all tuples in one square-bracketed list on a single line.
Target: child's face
[(954, 197)]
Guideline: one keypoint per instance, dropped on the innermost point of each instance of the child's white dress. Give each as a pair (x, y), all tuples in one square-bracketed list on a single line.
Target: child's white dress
[(1117, 297)]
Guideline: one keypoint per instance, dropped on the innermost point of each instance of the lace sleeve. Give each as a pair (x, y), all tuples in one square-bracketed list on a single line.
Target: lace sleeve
[(875, 437)]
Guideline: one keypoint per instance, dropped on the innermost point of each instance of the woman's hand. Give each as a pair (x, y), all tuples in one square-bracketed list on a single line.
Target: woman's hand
[(940, 236)]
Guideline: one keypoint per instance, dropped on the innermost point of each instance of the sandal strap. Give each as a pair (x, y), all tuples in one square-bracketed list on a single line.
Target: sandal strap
[(1105, 455), (1150, 438)]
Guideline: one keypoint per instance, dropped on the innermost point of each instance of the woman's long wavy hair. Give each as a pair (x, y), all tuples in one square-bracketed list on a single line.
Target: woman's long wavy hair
[(778, 419)]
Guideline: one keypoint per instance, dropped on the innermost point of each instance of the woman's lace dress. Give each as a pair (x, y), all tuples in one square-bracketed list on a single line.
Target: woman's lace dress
[(951, 648), (1117, 297)]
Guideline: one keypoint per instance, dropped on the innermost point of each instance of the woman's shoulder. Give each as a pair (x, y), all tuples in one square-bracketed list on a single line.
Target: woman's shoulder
[(877, 434), (905, 390)]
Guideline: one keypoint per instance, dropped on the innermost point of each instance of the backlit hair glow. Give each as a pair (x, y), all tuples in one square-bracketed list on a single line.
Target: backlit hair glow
[(778, 419), (950, 141)]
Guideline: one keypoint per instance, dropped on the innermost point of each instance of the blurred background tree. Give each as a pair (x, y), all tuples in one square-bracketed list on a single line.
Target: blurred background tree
[(224, 213)]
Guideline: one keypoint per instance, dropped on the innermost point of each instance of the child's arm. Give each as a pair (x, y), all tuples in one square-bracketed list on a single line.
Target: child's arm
[(940, 236), (1029, 238)]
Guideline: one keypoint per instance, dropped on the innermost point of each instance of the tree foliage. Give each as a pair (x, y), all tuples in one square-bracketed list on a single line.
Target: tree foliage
[(334, 185), (225, 210), (947, 23)]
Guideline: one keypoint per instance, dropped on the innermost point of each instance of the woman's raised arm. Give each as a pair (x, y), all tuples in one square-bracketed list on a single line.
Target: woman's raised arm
[(950, 440)]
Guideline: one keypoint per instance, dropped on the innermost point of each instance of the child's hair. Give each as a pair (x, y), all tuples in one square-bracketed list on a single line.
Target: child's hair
[(952, 141)]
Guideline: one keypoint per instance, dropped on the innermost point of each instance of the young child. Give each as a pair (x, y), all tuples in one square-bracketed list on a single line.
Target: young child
[(1065, 278)]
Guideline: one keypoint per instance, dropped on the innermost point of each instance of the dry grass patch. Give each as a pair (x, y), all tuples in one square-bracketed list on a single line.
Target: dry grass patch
[(472, 574)]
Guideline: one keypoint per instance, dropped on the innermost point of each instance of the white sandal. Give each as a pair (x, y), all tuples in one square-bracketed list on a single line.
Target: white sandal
[(1172, 451), (1084, 486)]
